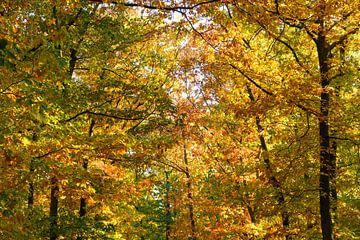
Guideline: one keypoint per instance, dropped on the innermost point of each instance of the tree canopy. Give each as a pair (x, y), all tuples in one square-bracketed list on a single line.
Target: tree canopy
[(190, 119)]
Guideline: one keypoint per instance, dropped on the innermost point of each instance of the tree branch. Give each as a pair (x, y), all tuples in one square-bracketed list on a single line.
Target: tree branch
[(154, 7), (197, 32), (355, 142), (343, 38), (103, 115), (302, 107), (10, 85), (49, 153), (251, 80)]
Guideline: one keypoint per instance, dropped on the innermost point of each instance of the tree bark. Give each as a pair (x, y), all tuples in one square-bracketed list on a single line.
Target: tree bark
[(189, 194), (252, 213), (327, 157), (82, 209), (31, 184), (333, 149), (31, 181), (54, 208), (167, 206)]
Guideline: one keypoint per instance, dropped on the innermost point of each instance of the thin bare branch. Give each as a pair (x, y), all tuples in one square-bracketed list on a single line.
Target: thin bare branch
[(251, 80), (344, 37), (159, 7)]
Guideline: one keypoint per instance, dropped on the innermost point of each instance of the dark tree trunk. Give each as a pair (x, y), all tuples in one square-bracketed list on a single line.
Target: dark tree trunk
[(54, 208), (31, 195), (31, 181), (324, 180), (189, 195), (327, 157), (333, 149), (31, 185), (274, 181), (167, 206), (250, 207), (252, 213), (270, 174), (82, 209)]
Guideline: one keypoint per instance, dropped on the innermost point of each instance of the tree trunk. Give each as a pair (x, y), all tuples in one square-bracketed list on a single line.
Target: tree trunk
[(189, 195), (82, 209), (31, 184), (252, 213), (31, 181), (333, 149), (325, 164), (167, 206), (327, 157), (54, 208), (270, 174)]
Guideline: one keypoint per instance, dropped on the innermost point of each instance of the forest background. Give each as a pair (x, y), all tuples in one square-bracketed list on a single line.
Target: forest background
[(179, 119)]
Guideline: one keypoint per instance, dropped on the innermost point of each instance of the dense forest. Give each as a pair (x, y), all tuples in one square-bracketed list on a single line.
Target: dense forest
[(180, 119)]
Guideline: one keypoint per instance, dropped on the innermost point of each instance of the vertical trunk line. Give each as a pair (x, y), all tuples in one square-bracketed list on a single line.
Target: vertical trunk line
[(333, 191), (31, 184), (31, 180), (333, 152), (54, 208), (189, 194), (251, 213), (251, 209), (325, 164), (327, 157), (167, 207), (269, 172), (54, 192), (31, 193), (82, 208)]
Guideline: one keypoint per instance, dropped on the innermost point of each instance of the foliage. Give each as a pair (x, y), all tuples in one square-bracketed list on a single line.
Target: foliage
[(179, 119)]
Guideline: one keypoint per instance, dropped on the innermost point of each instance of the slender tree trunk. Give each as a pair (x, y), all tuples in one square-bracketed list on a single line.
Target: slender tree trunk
[(31, 181), (270, 174), (31, 184), (252, 213), (274, 181), (82, 209), (189, 194), (250, 207), (54, 181), (54, 208), (167, 206)]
